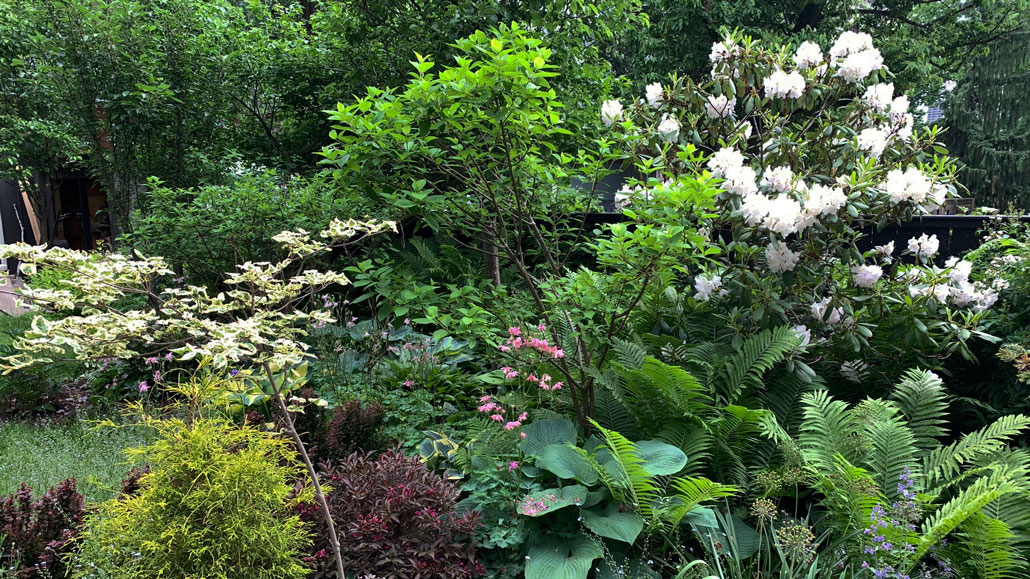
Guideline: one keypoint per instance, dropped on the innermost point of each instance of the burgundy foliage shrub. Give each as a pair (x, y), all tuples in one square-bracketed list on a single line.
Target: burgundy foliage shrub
[(354, 427), (395, 519), (35, 534)]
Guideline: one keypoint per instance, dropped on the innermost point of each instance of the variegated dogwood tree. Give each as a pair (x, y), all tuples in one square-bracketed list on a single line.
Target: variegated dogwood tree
[(258, 322)]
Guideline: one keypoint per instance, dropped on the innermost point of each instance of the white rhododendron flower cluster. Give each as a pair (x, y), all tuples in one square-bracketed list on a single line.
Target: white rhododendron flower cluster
[(653, 94), (779, 179), (782, 85), (879, 96), (855, 57), (958, 290), (780, 258), (924, 246), (611, 112), (718, 107), (908, 185), (821, 311), (808, 55), (873, 140), (722, 51), (866, 276), (669, 128), (706, 285)]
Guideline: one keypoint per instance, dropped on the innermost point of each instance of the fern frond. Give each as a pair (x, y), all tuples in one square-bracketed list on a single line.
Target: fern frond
[(892, 449), (758, 354), (988, 549), (690, 493), (924, 403), (627, 479), (824, 432), (945, 462)]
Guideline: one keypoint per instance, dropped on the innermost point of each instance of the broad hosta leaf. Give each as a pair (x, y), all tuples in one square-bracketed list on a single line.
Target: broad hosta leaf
[(612, 524), (547, 501), (565, 462), (542, 433), (660, 458), (554, 558)]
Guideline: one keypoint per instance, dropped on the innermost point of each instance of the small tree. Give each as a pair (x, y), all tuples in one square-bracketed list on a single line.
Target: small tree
[(259, 322)]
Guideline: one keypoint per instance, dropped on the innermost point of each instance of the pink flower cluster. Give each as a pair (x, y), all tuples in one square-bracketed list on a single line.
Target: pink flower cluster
[(498, 412), (543, 382), (531, 506), (541, 345)]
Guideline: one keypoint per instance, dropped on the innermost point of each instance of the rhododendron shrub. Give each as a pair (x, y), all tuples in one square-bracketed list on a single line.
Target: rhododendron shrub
[(812, 149)]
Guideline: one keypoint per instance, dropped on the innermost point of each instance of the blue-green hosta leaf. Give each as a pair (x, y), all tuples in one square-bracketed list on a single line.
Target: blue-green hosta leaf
[(660, 458), (565, 462), (547, 501), (612, 524), (554, 558), (545, 432)]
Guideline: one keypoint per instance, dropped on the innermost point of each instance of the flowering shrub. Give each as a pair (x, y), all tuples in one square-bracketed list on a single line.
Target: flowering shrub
[(810, 151), (397, 519), (36, 534)]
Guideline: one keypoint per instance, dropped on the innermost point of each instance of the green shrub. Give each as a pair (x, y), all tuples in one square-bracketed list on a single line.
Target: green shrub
[(218, 503)]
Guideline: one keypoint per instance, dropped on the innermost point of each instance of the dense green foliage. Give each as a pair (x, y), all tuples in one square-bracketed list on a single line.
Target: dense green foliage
[(218, 502)]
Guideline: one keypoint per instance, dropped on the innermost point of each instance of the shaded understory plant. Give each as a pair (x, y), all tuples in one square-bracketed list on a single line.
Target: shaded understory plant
[(396, 519), (37, 533)]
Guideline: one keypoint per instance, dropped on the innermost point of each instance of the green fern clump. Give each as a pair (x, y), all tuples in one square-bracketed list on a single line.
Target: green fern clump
[(218, 503), (967, 508)]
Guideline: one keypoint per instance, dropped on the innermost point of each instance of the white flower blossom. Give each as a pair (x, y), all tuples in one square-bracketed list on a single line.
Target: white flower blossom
[(874, 140), (803, 333), (866, 276), (1000, 284), (778, 179), (718, 107), (808, 55), (781, 84), (899, 107), (723, 159), (611, 111), (739, 180), (960, 269), (850, 42), (721, 52), (879, 96), (669, 128), (886, 251), (924, 246), (857, 66), (653, 93), (908, 185), (819, 312), (824, 200), (706, 285), (780, 258)]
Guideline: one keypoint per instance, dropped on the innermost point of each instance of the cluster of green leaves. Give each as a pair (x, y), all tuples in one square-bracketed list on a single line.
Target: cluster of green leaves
[(219, 502)]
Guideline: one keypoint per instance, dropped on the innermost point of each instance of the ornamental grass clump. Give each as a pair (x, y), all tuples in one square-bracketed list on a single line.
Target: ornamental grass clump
[(218, 503)]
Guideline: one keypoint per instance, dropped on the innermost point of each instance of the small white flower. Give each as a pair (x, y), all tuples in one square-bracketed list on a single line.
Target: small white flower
[(819, 312), (960, 269), (611, 111), (722, 52), (949, 85), (909, 185), (724, 159), (874, 140), (706, 285), (879, 96), (857, 66), (850, 42), (886, 251), (739, 180), (803, 334), (653, 93)]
